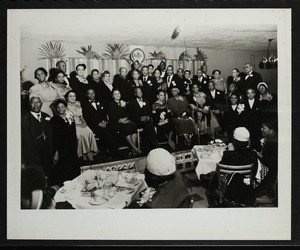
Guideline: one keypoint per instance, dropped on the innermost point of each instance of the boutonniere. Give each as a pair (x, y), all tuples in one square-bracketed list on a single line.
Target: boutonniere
[(146, 196), (148, 81), (194, 98), (250, 75), (185, 82), (204, 81), (47, 118), (263, 142), (269, 97), (218, 92), (98, 103), (122, 103), (240, 108), (173, 82)]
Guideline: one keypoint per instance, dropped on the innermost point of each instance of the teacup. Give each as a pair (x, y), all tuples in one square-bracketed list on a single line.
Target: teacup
[(98, 195), (130, 179)]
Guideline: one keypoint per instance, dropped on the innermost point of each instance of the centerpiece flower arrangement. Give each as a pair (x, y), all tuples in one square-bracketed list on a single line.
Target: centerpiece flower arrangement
[(217, 142)]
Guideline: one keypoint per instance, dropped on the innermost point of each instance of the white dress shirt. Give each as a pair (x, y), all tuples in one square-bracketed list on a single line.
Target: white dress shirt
[(234, 107), (169, 80), (37, 116), (145, 78), (213, 93), (250, 73), (93, 104), (251, 102), (109, 85), (140, 102)]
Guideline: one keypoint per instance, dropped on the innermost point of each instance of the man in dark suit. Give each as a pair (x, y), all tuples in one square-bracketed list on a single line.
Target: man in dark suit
[(173, 80), (96, 118), (204, 73), (217, 101), (201, 81), (149, 85), (253, 118), (140, 112), (37, 139), (251, 80), (121, 83)]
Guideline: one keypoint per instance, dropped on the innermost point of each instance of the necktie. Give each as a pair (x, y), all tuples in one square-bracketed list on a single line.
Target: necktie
[(145, 78), (39, 117), (169, 79)]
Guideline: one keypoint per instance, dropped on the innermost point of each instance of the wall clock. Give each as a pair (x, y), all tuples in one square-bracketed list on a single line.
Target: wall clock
[(137, 54)]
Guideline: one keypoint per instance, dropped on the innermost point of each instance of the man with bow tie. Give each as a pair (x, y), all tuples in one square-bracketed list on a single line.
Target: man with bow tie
[(251, 80), (140, 112), (37, 139), (96, 118), (149, 85)]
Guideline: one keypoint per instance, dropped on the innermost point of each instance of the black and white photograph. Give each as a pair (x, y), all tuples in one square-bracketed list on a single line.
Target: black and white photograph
[(155, 119)]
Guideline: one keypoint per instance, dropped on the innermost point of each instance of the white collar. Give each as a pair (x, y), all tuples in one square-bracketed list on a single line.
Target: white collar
[(251, 101), (36, 114), (250, 72), (233, 106)]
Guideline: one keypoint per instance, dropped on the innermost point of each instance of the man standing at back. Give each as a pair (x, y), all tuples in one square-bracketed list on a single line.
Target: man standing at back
[(121, 83), (251, 80)]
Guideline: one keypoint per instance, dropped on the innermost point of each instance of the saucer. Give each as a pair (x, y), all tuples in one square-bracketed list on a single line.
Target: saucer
[(96, 203)]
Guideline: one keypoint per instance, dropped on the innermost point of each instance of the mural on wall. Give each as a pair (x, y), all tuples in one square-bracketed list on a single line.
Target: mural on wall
[(52, 52)]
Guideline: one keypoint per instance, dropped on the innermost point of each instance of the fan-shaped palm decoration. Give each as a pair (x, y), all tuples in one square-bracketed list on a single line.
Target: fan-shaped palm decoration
[(200, 56), (116, 51), (157, 55), (184, 56), (89, 53), (51, 50)]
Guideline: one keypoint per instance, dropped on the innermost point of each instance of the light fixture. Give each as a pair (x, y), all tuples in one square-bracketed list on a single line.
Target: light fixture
[(270, 61)]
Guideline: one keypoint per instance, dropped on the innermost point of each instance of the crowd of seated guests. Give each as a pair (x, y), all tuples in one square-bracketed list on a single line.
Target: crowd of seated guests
[(72, 117)]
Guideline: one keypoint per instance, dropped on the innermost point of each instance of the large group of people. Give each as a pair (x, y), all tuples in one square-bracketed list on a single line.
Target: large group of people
[(74, 117)]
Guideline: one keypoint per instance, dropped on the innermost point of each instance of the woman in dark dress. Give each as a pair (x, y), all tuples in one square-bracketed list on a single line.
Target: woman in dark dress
[(162, 118), (79, 83), (119, 121), (94, 78), (160, 82), (134, 66), (104, 89), (181, 116), (65, 141), (268, 101), (135, 82), (235, 116)]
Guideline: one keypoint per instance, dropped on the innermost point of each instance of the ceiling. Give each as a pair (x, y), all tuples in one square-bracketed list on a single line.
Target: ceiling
[(211, 30)]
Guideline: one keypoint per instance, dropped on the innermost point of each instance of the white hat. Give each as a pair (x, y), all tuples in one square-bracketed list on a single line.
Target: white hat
[(241, 134), (262, 83), (160, 162)]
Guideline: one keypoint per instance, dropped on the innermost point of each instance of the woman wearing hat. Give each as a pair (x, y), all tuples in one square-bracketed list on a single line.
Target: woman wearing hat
[(161, 174), (181, 118), (267, 100), (240, 154)]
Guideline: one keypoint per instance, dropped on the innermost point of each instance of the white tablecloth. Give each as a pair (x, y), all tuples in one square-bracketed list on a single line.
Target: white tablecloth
[(119, 201), (208, 157)]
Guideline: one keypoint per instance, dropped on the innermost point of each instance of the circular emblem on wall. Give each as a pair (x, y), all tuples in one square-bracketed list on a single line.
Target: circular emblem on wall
[(137, 54)]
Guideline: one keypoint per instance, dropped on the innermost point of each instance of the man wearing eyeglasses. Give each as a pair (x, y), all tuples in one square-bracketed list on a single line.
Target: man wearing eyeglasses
[(251, 79)]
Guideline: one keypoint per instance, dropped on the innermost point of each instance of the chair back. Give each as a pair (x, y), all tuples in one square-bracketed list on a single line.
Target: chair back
[(245, 170), (222, 170)]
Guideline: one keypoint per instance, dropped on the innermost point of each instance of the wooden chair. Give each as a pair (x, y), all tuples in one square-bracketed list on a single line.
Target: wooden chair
[(139, 131), (222, 170)]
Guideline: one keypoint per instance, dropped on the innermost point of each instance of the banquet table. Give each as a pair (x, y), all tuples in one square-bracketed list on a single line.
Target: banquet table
[(124, 193), (208, 156)]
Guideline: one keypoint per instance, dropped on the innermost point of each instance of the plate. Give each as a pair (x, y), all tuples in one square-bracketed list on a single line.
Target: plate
[(97, 203)]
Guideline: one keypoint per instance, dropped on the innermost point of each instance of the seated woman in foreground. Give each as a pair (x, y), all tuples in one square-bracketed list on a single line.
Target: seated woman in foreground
[(167, 186), (239, 153), (181, 118)]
